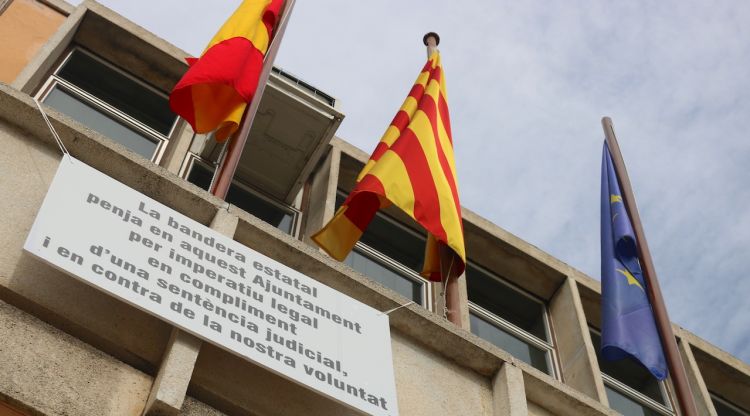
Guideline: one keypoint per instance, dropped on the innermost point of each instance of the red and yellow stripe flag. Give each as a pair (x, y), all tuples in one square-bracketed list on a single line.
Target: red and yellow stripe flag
[(412, 167), (213, 93)]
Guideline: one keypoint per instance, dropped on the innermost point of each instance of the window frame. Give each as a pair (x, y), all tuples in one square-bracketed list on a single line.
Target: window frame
[(191, 159), (549, 346), (54, 80), (664, 409)]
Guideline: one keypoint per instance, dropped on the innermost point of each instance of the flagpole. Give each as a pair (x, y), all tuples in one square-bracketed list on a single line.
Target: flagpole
[(227, 168), (451, 298), (674, 362)]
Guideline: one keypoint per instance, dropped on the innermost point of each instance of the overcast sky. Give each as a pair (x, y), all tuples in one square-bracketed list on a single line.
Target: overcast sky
[(528, 83)]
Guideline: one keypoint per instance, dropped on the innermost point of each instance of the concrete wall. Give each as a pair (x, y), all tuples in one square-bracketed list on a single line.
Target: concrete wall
[(25, 26), (47, 371), (440, 369)]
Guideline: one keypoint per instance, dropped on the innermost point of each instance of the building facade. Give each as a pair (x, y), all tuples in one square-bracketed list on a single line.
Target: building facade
[(529, 336)]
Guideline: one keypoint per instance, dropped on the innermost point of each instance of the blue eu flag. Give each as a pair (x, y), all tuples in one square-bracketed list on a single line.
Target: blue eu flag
[(628, 327)]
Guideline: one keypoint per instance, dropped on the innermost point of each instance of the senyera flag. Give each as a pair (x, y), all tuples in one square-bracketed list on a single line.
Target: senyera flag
[(213, 93), (628, 325), (413, 168)]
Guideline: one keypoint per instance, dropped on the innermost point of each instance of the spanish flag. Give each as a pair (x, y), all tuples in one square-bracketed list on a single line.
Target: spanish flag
[(213, 93), (413, 168)]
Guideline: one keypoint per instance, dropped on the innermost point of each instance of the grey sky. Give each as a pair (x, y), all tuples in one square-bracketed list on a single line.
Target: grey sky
[(528, 83)]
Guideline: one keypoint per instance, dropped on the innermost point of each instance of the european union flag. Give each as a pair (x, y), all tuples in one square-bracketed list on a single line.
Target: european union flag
[(628, 327)]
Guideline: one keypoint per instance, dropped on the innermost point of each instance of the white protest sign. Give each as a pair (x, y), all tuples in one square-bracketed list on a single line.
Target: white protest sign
[(150, 256)]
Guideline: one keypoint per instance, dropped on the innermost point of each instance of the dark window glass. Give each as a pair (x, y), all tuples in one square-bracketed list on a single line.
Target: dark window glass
[(396, 243), (388, 277), (724, 409), (68, 103), (200, 175), (626, 405), (484, 329), (119, 91), (392, 240), (629, 372), (502, 300)]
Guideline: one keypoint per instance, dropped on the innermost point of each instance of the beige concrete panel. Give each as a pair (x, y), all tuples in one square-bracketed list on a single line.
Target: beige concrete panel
[(723, 374), (510, 257), (321, 201), (429, 384), (463, 302), (127, 45), (194, 407), (697, 386), (557, 398), (536, 410), (46, 371), (508, 394), (178, 147), (350, 150), (591, 302), (168, 390), (234, 385), (25, 27), (575, 350), (224, 223)]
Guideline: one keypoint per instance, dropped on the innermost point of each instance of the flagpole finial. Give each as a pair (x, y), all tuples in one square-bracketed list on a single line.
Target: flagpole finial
[(431, 36), (431, 40)]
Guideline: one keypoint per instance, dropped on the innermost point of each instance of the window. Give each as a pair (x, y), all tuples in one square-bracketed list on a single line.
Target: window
[(509, 318), (631, 389), (391, 255), (200, 173), (726, 408), (111, 102)]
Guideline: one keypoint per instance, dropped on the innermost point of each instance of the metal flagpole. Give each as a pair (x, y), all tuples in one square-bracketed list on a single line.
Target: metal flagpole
[(450, 292), (676, 368), (227, 168)]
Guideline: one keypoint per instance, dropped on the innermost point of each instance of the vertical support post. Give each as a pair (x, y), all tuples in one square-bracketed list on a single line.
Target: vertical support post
[(676, 369), (697, 385), (225, 171), (170, 385), (508, 392), (574, 348)]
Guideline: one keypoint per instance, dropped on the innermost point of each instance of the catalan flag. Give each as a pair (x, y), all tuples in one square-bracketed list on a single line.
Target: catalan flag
[(413, 168), (213, 93), (628, 325)]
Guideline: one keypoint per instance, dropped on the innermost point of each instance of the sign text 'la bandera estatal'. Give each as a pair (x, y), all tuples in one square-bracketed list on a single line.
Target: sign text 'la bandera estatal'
[(134, 248)]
